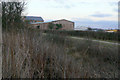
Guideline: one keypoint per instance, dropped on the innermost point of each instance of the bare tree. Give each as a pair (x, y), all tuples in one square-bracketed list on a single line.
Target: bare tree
[(11, 14)]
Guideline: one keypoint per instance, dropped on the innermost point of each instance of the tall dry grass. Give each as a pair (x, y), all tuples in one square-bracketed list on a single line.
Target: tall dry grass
[(27, 55), (30, 54)]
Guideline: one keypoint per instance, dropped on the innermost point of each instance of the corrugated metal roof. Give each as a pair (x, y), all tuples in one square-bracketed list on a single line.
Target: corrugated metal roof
[(38, 22), (34, 18)]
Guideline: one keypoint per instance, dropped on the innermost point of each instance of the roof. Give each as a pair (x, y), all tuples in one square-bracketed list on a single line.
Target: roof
[(38, 22), (34, 18), (62, 20)]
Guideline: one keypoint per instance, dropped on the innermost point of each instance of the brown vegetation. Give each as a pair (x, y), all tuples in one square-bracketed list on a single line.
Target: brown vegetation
[(30, 54)]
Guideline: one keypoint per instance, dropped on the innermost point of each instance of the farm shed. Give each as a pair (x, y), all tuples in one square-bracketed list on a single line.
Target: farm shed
[(38, 22), (66, 25)]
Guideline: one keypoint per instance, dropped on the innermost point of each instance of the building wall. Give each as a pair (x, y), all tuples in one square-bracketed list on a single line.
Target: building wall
[(66, 25), (44, 26)]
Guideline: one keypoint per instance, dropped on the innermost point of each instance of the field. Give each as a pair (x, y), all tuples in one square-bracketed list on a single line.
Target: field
[(31, 54)]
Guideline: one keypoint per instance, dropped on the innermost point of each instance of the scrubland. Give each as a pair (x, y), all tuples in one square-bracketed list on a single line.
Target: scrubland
[(30, 54)]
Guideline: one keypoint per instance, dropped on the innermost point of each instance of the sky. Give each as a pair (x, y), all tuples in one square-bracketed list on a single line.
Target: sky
[(88, 13)]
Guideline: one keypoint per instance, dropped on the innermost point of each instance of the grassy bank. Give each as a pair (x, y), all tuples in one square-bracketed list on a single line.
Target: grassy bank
[(91, 34), (30, 54)]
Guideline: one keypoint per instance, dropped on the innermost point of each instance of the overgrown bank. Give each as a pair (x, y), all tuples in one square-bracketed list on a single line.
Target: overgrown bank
[(29, 54), (89, 34)]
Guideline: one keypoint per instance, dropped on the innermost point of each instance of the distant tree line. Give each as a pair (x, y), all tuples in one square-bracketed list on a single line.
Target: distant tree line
[(89, 34), (12, 15)]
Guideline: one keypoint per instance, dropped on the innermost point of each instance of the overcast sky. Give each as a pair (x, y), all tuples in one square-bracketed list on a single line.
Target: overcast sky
[(89, 13)]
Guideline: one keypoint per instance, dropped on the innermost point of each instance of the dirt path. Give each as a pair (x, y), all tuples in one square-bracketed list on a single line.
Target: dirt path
[(98, 41), (107, 42)]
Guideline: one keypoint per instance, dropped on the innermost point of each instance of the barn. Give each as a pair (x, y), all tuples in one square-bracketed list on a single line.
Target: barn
[(38, 22), (66, 25)]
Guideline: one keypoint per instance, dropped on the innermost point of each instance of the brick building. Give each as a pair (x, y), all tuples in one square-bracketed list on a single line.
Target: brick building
[(38, 22), (66, 24)]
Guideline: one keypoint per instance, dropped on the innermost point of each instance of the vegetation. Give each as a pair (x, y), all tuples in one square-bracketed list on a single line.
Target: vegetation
[(51, 26), (59, 26), (54, 26), (89, 28), (91, 34), (11, 15), (30, 54)]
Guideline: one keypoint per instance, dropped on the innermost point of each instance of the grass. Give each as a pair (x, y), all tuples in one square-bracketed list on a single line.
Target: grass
[(30, 54), (105, 36)]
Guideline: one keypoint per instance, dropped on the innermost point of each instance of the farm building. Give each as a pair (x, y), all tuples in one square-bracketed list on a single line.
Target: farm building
[(40, 25), (38, 22), (65, 25)]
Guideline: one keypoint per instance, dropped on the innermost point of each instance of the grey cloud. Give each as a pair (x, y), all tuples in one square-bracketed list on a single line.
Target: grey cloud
[(116, 10), (67, 4), (63, 4), (101, 15), (96, 24), (113, 3), (60, 1)]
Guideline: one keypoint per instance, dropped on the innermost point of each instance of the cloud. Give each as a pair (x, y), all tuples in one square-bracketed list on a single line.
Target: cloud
[(101, 15), (113, 3), (96, 24), (116, 10), (59, 1), (62, 4)]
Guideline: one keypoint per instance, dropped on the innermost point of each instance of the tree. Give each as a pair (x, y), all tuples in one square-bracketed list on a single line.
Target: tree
[(51, 26), (12, 15), (59, 26), (89, 28)]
